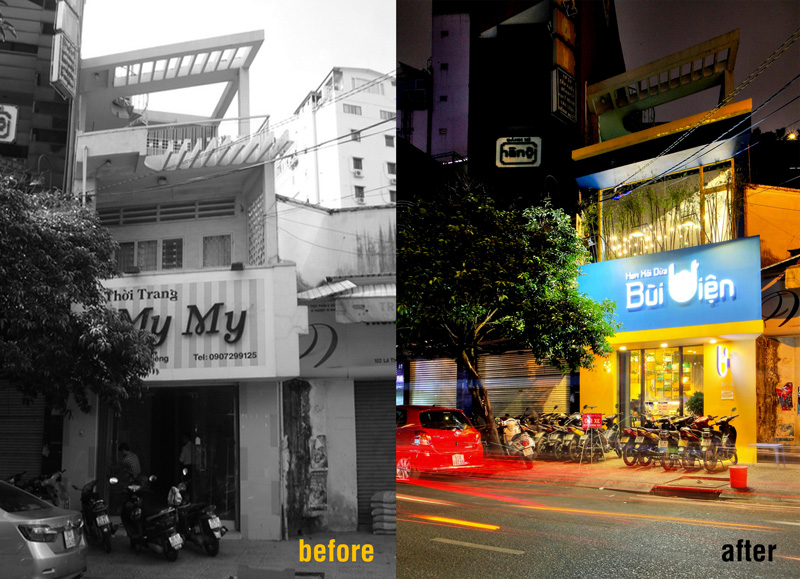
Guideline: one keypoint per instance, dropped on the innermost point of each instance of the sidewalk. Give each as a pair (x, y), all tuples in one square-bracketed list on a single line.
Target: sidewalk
[(192, 563), (766, 481)]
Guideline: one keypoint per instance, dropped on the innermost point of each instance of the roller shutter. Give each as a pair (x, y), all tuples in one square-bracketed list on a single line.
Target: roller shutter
[(516, 382), (375, 442), (21, 434), (433, 382)]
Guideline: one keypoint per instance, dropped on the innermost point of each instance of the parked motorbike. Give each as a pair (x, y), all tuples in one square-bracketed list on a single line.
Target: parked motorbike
[(197, 522), (693, 443), (669, 447), (156, 531), (723, 443), (517, 440), (95, 515)]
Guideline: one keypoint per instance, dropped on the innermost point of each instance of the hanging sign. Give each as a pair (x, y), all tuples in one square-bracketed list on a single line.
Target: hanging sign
[(8, 123), (518, 152)]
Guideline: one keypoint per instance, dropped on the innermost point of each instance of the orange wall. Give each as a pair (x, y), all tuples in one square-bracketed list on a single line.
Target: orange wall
[(772, 213)]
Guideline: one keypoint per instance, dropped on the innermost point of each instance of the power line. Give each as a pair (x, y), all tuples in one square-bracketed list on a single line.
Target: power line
[(685, 160), (761, 68)]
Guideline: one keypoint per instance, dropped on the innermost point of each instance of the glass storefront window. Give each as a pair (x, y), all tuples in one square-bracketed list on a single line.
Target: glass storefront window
[(662, 380)]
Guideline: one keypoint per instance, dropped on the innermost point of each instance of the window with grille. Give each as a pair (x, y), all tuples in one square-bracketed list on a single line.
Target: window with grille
[(358, 163), (352, 109), (147, 255), (387, 115), (126, 256), (389, 140), (374, 88), (172, 254), (216, 250), (359, 194)]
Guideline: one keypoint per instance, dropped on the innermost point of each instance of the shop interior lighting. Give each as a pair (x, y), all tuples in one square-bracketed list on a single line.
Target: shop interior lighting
[(623, 348), (664, 345), (712, 341)]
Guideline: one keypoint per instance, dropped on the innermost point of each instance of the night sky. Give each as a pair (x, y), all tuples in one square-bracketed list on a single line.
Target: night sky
[(652, 29)]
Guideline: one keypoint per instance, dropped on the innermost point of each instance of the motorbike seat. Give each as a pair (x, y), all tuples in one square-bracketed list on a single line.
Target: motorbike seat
[(159, 514)]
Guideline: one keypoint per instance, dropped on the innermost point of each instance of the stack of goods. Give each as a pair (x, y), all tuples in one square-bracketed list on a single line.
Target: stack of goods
[(384, 513)]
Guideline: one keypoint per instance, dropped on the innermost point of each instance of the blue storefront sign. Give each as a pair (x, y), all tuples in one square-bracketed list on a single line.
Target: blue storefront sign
[(708, 284)]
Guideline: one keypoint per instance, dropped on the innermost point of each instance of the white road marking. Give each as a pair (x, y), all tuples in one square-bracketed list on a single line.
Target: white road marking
[(782, 523), (477, 546)]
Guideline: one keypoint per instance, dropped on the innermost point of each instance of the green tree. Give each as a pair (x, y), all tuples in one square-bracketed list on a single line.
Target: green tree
[(58, 338), (477, 277)]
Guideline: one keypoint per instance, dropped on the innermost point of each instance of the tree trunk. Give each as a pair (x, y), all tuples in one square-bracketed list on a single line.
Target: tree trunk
[(484, 409)]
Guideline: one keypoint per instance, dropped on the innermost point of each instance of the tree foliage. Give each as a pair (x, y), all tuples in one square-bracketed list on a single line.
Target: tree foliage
[(477, 278), (5, 25), (57, 336)]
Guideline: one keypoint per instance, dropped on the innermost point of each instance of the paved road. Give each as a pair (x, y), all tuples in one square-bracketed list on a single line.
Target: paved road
[(532, 529)]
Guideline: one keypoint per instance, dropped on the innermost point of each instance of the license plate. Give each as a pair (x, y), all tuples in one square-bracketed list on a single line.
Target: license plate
[(102, 520), (583, 438), (569, 437), (625, 439), (69, 538), (527, 451), (663, 444), (554, 436), (176, 541), (214, 523), (683, 442), (639, 439), (705, 443), (458, 459)]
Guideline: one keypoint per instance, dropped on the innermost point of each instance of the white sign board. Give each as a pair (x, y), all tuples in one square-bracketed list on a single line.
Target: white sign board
[(8, 123), (518, 152)]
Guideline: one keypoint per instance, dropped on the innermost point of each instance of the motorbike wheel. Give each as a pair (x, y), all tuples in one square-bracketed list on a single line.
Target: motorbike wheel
[(667, 462), (734, 458), (629, 456), (618, 450), (107, 542), (211, 545), (559, 452), (574, 451), (688, 460), (645, 458), (710, 460), (169, 553)]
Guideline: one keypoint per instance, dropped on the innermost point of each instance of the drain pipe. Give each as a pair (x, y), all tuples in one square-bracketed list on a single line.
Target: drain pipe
[(85, 160)]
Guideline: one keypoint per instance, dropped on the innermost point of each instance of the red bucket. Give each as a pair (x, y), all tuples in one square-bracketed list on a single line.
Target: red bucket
[(738, 477)]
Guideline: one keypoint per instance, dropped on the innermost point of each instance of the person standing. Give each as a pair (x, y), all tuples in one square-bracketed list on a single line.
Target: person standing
[(185, 460), (130, 462)]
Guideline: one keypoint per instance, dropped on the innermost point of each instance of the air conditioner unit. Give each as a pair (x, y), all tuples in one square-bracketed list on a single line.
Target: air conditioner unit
[(393, 180), (358, 173)]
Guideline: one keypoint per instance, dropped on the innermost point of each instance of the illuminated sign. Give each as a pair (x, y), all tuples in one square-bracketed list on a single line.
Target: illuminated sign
[(519, 152), (707, 284), (723, 361), (683, 287)]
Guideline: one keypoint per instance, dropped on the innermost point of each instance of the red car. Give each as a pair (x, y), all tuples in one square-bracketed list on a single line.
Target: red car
[(434, 438)]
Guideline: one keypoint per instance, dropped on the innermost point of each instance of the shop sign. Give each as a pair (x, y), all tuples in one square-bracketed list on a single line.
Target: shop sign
[(205, 326), (333, 349), (518, 152), (707, 284), (592, 420), (8, 123)]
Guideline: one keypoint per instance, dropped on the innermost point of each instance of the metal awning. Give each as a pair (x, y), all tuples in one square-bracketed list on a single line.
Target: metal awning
[(326, 290)]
